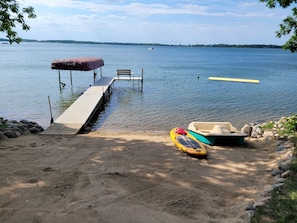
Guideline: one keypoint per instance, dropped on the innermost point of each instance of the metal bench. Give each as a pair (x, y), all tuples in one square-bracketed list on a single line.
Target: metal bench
[(124, 72)]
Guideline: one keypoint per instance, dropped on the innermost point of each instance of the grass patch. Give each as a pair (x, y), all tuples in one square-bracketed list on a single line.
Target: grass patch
[(268, 125), (282, 207)]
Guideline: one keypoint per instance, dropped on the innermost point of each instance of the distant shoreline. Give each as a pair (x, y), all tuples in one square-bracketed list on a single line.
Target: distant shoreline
[(153, 44)]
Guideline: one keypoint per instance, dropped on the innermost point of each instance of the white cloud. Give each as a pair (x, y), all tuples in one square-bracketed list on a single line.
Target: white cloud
[(149, 9), (125, 21)]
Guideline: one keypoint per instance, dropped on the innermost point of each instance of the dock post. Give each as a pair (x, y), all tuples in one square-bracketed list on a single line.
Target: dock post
[(141, 88), (59, 80), (95, 75), (71, 77), (50, 106)]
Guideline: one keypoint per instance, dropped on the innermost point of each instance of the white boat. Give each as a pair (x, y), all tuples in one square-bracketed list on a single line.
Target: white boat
[(216, 133)]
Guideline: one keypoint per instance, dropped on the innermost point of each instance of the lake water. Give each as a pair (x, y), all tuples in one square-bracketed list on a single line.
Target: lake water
[(173, 95)]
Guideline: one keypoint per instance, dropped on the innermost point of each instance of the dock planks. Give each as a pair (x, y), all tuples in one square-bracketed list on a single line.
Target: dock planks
[(73, 119)]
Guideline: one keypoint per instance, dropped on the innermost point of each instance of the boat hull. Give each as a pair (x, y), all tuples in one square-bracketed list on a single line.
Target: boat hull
[(217, 140), (212, 133)]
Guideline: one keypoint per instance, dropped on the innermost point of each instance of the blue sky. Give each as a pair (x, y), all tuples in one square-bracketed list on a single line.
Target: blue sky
[(167, 21)]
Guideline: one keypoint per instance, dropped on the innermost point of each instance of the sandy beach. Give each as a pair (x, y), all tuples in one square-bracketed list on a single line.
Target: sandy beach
[(128, 177)]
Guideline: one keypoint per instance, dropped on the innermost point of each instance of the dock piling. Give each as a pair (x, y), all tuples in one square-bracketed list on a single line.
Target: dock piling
[(50, 106)]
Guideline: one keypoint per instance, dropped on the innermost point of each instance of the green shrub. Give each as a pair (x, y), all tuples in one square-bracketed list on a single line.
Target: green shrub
[(268, 125), (290, 125), (284, 127), (3, 126)]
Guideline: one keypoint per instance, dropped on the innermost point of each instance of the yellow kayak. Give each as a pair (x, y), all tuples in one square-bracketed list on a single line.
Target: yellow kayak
[(187, 143)]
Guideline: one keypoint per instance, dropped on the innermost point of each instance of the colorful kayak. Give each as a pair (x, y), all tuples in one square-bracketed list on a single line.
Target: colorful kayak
[(187, 143)]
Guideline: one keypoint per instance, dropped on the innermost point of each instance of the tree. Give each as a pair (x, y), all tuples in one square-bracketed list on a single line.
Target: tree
[(11, 15), (289, 24)]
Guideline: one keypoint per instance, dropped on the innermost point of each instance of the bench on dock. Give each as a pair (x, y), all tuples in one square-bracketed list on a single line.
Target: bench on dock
[(124, 72)]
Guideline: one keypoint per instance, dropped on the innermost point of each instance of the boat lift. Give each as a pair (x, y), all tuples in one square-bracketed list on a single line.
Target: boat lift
[(81, 64)]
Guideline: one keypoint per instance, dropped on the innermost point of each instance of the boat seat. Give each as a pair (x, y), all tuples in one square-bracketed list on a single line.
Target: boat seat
[(220, 129)]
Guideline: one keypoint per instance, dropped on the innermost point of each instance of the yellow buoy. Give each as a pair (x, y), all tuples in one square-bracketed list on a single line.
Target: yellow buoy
[(234, 79)]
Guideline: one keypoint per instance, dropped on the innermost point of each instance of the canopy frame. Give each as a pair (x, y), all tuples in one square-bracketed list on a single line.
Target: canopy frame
[(80, 64)]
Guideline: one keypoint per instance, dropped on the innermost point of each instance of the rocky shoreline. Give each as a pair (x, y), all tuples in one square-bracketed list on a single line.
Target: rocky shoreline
[(13, 128), (284, 154), (282, 131)]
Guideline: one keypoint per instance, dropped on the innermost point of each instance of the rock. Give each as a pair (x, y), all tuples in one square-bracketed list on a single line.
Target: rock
[(13, 128), (277, 177), (259, 204), (250, 207), (278, 185), (2, 136), (280, 149), (266, 191), (286, 144), (268, 136), (253, 130), (288, 154), (250, 214), (254, 134), (10, 133), (247, 129), (34, 130), (286, 174), (17, 133), (280, 180), (276, 172), (287, 162), (283, 167), (259, 130), (25, 121)]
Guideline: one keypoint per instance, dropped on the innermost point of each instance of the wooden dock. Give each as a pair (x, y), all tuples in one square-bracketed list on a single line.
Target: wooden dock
[(83, 109), (79, 113)]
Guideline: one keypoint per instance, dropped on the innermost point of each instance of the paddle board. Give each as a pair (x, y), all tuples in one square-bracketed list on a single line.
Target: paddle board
[(187, 143)]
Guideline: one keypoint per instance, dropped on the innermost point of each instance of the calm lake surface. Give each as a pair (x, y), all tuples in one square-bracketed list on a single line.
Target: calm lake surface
[(176, 86)]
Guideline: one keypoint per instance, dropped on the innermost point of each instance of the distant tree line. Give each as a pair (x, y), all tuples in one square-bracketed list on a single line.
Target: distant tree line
[(153, 44), (238, 45)]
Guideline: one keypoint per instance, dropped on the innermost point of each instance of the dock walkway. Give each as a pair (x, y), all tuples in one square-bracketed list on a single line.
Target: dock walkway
[(75, 117)]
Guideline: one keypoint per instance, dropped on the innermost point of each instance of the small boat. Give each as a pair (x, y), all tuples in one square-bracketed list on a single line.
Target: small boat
[(187, 143), (212, 133)]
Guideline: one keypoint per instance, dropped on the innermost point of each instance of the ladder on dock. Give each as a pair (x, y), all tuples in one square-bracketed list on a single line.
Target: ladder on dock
[(75, 117), (126, 74)]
